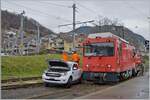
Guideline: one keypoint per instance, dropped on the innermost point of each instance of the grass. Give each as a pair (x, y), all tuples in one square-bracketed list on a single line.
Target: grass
[(32, 66), (146, 62), (24, 66)]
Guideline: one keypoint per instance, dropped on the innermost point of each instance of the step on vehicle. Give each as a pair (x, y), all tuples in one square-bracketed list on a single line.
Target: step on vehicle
[(62, 73)]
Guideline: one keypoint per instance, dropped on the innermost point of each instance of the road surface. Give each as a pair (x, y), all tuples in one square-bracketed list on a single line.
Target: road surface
[(135, 88), (52, 92)]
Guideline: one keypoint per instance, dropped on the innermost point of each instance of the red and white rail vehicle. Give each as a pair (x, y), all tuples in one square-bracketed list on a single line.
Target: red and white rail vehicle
[(108, 58)]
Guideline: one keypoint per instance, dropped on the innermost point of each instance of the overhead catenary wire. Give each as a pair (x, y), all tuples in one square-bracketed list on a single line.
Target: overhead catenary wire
[(87, 9), (41, 13), (56, 17), (94, 12), (136, 9), (77, 23), (47, 5), (54, 4)]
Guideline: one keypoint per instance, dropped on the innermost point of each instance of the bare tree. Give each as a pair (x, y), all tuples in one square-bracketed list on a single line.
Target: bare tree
[(106, 21)]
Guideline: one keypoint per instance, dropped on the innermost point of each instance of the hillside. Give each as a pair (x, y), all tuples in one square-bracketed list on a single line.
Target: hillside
[(11, 20), (133, 38)]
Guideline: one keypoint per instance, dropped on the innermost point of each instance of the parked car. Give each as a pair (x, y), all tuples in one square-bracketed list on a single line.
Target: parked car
[(3, 54), (60, 72)]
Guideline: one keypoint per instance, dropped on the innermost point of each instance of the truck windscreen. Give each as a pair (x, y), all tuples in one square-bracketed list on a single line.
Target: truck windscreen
[(99, 49)]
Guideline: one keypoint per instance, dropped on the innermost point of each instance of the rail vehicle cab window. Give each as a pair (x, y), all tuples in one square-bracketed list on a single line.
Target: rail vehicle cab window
[(99, 49)]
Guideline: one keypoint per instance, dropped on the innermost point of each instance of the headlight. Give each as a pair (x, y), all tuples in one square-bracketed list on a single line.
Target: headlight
[(87, 65), (45, 71), (109, 66), (64, 74)]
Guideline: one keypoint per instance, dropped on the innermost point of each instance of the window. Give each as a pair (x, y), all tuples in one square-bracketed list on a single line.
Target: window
[(99, 49), (75, 67)]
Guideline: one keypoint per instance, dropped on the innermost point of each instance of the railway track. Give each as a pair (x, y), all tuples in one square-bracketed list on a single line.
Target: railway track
[(73, 92), (20, 79), (56, 92)]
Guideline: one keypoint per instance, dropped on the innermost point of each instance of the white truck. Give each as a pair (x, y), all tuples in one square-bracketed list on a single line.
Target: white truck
[(60, 72)]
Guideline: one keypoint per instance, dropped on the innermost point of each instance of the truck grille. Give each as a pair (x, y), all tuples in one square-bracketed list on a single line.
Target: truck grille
[(53, 74)]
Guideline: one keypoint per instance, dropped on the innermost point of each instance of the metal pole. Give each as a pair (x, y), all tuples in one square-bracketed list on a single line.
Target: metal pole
[(149, 32), (38, 39), (149, 25), (99, 22), (74, 10), (21, 32), (123, 32), (49, 41)]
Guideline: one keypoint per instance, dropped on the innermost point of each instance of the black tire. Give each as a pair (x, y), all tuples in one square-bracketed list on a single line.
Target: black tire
[(46, 84), (69, 83), (80, 80), (141, 70), (130, 73), (134, 72)]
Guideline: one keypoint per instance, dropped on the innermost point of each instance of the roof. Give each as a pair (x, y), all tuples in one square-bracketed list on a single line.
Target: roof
[(11, 32), (105, 35), (65, 36)]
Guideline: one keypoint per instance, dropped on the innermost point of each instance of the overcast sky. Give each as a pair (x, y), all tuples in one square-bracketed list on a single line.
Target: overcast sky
[(51, 13)]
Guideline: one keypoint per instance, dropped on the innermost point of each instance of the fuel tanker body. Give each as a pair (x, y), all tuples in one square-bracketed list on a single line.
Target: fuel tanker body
[(107, 58)]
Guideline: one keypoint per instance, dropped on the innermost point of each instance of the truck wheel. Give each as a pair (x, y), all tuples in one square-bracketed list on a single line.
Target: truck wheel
[(69, 83)]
